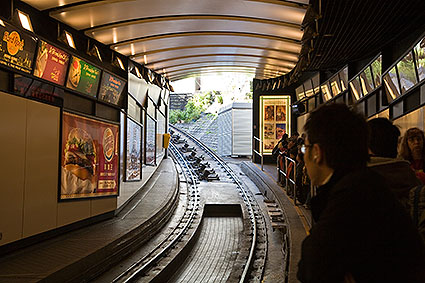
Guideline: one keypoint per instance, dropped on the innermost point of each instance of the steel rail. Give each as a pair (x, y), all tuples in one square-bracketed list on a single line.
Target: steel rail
[(245, 197), (137, 271)]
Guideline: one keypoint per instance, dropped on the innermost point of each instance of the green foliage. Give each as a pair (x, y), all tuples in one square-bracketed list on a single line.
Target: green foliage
[(219, 99), (248, 95)]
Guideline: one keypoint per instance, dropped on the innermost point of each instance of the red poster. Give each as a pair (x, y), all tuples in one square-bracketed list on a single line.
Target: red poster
[(51, 63), (89, 158)]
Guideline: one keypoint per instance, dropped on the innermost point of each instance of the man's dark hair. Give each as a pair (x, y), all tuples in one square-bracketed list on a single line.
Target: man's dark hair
[(341, 133), (383, 137)]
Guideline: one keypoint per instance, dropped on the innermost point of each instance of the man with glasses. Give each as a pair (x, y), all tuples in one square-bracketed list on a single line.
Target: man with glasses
[(361, 232)]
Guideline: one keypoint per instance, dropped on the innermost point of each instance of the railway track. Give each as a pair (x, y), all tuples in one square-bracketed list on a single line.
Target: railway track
[(254, 266), (149, 267), (139, 271)]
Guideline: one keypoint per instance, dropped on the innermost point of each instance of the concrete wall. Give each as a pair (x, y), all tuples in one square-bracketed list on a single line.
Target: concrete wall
[(29, 173)]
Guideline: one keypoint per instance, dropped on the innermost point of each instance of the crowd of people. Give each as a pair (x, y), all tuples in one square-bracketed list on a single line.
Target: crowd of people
[(369, 197)]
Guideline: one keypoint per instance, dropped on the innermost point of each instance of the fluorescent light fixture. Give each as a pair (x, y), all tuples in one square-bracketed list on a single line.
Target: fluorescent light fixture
[(2, 23), (145, 59), (120, 63), (355, 92), (138, 72), (70, 39), (98, 53), (25, 21)]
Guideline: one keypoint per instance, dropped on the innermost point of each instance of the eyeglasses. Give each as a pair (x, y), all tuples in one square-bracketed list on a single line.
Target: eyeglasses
[(304, 148)]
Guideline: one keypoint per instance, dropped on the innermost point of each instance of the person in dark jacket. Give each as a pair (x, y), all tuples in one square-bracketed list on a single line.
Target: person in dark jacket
[(383, 142), (361, 233)]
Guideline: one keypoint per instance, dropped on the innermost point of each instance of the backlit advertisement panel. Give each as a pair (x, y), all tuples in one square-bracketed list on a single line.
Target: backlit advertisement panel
[(150, 140), (134, 150), (275, 120), (17, 49), (89, 158), (51, 63), (111, 88), (83, 77)]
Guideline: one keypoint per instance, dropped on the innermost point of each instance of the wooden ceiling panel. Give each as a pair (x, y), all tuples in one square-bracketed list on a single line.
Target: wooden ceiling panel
[(180, 40), (168, 64), (112, 34), (182, 35), (97, 13)]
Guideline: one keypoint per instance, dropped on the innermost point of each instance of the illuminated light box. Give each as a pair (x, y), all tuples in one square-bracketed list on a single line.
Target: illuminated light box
[(326, 91), (420, 58), (83, 77), (17, 48), (392, 87), (51, 63), (377, 70), (275, 120), (89, 158), (111, 88), (407, 73), (356, 88)]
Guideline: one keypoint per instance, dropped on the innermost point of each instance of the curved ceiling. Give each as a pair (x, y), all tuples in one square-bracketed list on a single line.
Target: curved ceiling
[(183, 38)]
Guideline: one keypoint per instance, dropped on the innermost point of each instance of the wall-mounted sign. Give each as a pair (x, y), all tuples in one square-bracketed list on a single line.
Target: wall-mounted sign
[(274, 120), (36, 89), (150, 141), (89, 158), (83, 77), (16, 48), (134, 150), (111, 88), (51, 63)]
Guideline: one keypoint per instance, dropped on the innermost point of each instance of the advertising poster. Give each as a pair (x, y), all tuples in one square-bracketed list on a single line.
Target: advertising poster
[(269, 113), (17, 49), (280, 113), (33, 88), (111, 88), (89, 162), (420, 58), (280, 131), (134, 150), (150, 140), (51, 63), (83, 77), (275, 120)]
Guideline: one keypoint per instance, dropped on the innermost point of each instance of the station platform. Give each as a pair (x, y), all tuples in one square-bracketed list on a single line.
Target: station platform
[(82, 254), (85, 253)]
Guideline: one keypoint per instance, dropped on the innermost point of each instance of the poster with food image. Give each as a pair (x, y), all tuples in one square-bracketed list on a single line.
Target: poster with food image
[(269, 145), (51, 63), (17, 48), (269, 113), (268, 131), (89, 158), (83, 77), (134, 150), (111, 88), (280, 130), (280, 113)]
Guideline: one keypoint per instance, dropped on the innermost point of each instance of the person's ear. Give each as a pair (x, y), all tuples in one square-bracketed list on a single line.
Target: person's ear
[(317, 154)]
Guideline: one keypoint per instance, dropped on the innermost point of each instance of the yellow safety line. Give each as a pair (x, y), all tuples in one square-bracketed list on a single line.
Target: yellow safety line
[(299, 212)]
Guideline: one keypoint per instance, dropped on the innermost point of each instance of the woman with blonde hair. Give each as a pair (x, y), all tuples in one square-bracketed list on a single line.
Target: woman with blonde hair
[(412, 150)]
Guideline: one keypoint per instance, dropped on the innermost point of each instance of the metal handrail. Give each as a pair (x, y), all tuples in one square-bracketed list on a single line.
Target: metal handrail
[(261, 149), (288, 178)]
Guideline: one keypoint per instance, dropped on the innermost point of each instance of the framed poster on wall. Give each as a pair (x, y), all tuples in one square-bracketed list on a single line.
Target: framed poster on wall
[(134, 151), (275, 120), (150, 141), (89, 158)]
